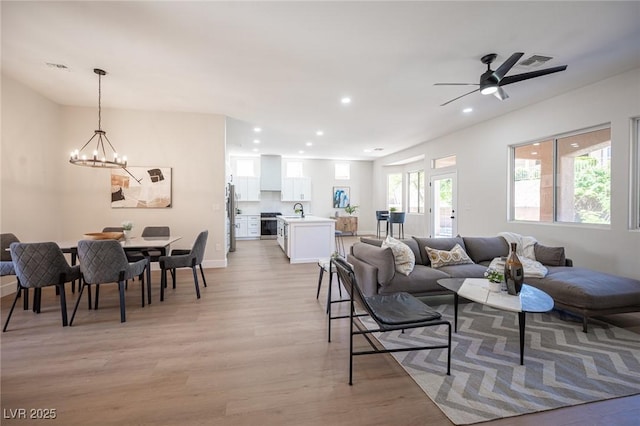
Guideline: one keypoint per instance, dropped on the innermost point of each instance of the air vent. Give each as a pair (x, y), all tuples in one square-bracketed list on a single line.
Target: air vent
[(534, 61)]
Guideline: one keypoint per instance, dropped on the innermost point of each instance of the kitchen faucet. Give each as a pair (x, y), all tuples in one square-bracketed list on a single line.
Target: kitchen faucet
[(295, 209)]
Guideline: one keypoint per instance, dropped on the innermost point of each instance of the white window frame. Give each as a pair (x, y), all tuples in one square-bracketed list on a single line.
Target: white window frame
[(296, 171), (421, 188), (511, 183), (634, 164), (342, 171)]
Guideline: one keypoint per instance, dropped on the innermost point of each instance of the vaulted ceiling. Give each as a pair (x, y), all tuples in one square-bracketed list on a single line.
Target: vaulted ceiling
[(285, 66)]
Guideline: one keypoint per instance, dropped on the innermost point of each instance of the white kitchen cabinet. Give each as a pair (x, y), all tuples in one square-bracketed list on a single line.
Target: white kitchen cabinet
[(247, 226), (241, 226), (306, 240), (253, 226), (247, 188), (296, 189), (280, 234)]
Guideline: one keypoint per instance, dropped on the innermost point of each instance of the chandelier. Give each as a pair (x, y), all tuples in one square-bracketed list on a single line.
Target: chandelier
[(99, 157)]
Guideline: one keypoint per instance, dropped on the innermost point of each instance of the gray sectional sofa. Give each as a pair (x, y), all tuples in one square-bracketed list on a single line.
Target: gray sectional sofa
[(581, 291)]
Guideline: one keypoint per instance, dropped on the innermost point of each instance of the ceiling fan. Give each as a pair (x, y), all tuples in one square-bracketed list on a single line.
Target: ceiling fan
[(491, 81)]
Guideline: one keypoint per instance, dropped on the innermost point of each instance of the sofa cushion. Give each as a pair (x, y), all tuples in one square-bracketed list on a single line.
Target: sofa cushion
[(423, 280), (455, 256), (413, 245), (438, 244), (552, 256), (381, 258), (588, 289), (483, 249), (469, 270), (403, 255)]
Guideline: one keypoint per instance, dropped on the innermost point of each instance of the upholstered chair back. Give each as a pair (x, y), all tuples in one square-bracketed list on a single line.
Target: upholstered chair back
[(101, 261), (156, 231), (5, 242), (199, 246), (39, 265)]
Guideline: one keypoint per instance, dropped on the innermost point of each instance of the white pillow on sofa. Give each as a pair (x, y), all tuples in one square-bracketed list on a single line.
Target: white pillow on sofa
[(402, 253)]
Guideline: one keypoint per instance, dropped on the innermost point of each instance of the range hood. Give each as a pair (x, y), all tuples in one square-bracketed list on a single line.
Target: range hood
[(270, 173)]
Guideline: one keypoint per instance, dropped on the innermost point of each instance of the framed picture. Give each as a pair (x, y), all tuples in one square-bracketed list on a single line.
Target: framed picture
[(341, 197), (141, 187)]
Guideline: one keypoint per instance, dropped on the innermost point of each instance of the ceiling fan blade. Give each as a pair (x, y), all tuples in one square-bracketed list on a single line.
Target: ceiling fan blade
[(501, 94), (527, 75), (507, 65), (455, 84), (461, 96)]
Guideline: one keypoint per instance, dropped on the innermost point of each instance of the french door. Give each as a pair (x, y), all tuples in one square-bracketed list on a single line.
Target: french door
[(443, 205)]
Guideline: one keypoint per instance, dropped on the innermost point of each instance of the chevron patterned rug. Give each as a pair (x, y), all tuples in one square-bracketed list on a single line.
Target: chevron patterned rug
[(562, 366)]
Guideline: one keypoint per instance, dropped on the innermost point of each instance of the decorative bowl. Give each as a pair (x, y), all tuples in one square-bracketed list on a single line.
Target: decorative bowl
[(104, 235)]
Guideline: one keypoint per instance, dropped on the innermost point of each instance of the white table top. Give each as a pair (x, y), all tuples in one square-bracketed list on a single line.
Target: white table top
[(530, 298), (131, 243)]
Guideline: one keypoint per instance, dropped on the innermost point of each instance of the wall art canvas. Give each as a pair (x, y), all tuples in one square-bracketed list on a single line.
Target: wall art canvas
[(141, 187), (341, 197)]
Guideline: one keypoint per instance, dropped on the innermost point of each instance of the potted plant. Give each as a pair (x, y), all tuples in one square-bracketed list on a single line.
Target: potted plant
[(351, 209), (127, 226), (393, 209)]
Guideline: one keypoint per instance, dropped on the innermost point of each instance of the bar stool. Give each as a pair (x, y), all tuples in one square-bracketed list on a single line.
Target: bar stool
[(340, 244), (326, 266), (397, 217), (382, 216)]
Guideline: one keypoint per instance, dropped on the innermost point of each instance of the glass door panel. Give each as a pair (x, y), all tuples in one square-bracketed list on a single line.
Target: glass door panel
[(443, 205)]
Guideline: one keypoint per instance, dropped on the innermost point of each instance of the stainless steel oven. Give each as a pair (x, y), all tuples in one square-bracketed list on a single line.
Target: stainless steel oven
[(268, 225)]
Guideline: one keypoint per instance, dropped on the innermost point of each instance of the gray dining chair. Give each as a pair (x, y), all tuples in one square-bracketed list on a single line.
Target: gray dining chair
[(39, 265), (112, 229), (184, 259), (104, 261), (6, 263), (153, 255)]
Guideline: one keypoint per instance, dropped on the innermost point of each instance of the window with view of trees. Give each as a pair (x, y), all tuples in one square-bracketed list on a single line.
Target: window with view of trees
[(564, 179), (415, 201), (394, 191)]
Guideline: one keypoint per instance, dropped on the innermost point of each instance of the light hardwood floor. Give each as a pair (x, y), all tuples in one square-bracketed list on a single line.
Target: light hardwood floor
[(251, 351)]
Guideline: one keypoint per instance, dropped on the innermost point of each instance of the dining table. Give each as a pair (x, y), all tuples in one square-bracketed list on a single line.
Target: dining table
[(135, 244)]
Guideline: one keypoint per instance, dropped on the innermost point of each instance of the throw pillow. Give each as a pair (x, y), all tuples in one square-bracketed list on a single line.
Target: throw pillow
[(403, 255), (552, 256), (455, 256)]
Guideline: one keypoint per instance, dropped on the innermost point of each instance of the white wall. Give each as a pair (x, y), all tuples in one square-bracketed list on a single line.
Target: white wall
[(29, 190), (46, 198), (482, 166)]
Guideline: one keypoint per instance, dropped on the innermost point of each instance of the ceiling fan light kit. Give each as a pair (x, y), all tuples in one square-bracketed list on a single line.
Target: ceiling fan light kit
[(491, 81)]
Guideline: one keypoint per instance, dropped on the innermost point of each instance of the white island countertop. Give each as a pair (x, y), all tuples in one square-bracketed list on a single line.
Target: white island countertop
[(305, 219)]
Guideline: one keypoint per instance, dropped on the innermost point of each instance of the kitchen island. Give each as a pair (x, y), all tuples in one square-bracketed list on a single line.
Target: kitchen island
[(305, 240)]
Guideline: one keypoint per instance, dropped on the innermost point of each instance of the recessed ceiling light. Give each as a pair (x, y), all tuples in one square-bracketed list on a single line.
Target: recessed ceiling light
[(346, 100), (319, 133), (467, 110), (256, 141), (301, 152), (367, 150), (534, 152), (257, 129), (255, 150), (309, 143)]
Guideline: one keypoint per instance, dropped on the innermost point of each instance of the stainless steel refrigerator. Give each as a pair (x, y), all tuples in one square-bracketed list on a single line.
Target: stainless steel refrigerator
[(231, 214)]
